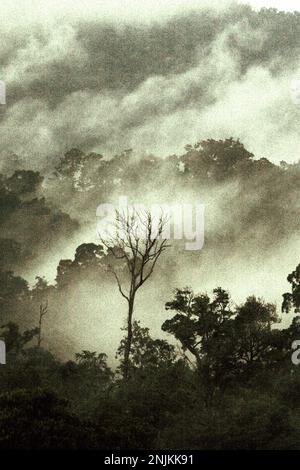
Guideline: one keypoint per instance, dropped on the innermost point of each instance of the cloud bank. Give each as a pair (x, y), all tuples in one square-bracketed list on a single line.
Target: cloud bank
[(104, 85)]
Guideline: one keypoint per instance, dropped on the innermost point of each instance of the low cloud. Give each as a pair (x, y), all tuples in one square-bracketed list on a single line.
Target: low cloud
[(67, 88)]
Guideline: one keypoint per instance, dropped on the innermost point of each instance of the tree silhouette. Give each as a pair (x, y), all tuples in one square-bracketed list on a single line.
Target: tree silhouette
[(137, 243), (147, 352), (292, 299), (197, 319)]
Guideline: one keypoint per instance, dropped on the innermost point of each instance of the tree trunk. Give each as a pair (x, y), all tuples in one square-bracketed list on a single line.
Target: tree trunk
[(127, 348), (39, 339)]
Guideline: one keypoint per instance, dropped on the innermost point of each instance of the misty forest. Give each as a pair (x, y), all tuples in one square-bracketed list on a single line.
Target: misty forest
[(124, 344)]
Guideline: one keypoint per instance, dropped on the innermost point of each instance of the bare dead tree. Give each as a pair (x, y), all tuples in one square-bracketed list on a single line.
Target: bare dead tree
[(43, 311), (139, 242)]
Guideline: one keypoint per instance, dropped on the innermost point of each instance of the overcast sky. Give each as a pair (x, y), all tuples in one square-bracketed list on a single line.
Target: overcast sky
[(22, 10), (72, 81), (287, 5)]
